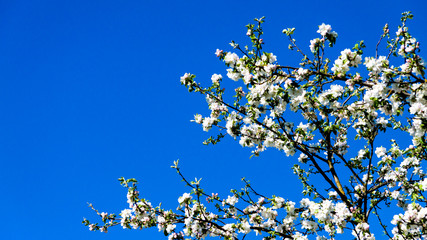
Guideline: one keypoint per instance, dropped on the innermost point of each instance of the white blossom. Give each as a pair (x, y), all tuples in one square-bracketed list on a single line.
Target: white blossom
[(324, 29), (216, 78)]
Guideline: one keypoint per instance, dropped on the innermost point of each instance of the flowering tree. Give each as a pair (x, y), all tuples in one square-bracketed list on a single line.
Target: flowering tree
[(310, 110)]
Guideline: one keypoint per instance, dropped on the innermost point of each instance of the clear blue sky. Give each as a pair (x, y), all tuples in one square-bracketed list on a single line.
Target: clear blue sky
[(89, 92)]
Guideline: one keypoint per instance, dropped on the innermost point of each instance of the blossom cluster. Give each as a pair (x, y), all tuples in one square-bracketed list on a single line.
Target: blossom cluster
[(261, 217), (346, 60)]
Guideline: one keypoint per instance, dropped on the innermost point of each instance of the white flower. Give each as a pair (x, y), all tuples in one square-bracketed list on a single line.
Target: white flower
[(424, 184), (216, 78), (246, 227), (362, 232), (376, 65), (279, 202), (184, 198), (197, 119), (231, 200), (299, 236), (104, 215), (309, 225), (380, 151), (376, 92), (301, 73), (272, 58), (395, 194), (382, 121), (231, 58), (324, 29), (92, 227), (302, 158), (186, 79), (207, 123), (313, 43), (400, 31), (233, 75), (228, 227), (126, 213), (346, 60), (170, 228), (409, 46), (303, 127), (270, 68)]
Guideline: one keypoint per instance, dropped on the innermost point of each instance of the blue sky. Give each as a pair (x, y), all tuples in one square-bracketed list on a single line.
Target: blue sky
[(89, 92)]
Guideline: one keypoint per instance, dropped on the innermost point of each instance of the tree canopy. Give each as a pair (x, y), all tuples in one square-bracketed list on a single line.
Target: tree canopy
[(330, 116)]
